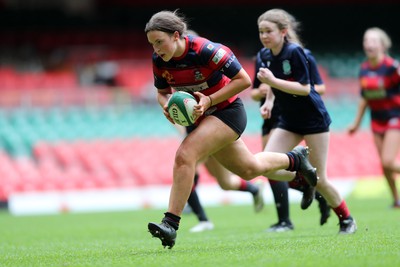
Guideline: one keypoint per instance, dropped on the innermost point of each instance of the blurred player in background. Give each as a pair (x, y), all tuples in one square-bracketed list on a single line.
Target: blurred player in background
[(302, 113), (380, 91), (213, 74), (270, 112)]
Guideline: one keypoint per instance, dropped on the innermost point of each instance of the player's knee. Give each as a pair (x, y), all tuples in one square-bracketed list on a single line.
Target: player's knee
[(184, 157), (181, 162)]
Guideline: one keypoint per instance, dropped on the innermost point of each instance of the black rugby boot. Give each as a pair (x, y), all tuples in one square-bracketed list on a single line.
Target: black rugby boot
[(165, 232), (305, 168), (308, 196)]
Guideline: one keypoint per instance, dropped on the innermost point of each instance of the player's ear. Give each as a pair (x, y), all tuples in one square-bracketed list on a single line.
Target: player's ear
[(177, 35)]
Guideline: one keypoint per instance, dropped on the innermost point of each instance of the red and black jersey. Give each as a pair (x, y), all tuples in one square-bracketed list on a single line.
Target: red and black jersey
[(205, 66), (380, 86)]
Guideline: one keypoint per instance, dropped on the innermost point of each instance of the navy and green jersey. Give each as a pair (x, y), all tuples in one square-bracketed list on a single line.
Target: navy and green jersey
[(299, 113)]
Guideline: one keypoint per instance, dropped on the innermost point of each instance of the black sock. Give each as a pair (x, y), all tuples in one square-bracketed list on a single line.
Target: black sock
[(281, 197), (172, 220), (246, 186), (294, 162), (196, 179), (196, 206)]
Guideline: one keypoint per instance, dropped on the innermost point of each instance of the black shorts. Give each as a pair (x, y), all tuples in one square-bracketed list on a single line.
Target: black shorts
[(233, 115)]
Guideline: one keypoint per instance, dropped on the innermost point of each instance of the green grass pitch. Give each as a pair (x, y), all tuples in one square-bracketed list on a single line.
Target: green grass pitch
[(239, 239)]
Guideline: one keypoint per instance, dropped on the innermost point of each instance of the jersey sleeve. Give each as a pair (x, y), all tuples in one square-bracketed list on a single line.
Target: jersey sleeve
[(299, 59), (160, 82), (258, 64), (314, 73), (220, 58)]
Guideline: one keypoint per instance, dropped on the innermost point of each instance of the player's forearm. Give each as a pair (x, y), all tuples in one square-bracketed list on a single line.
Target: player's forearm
[(238, 84), (291, 87), (162, 98)]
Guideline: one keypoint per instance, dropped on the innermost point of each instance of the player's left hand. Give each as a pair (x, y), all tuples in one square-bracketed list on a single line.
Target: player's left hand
[(266, 109), (166, 113), (203, 104)]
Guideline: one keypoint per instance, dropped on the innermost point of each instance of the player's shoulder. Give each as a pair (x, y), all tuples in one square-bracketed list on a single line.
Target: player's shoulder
[(199, 44), (195, 40), (294, 48), (294, 51), (264, 53), (390, 62), (309, 54)]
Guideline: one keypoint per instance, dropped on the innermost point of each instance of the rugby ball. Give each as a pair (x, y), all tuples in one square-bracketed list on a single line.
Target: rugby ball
[(180, 108)]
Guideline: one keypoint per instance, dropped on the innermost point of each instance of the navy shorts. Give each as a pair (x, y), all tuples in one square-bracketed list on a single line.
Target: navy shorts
[(233, 115), (269, 124), (304, 131)]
